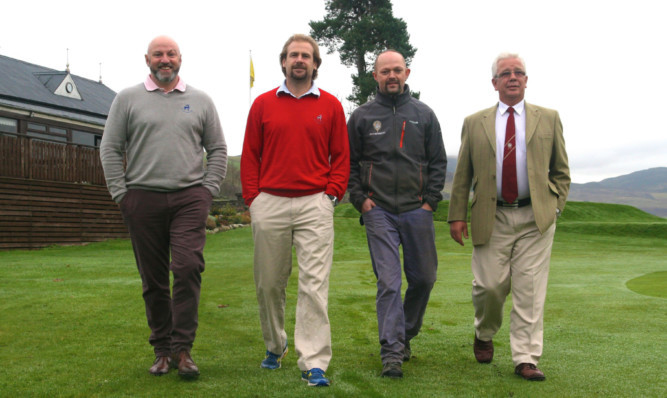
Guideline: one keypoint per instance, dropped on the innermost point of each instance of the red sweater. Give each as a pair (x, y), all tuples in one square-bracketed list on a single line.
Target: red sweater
[(295, 147)]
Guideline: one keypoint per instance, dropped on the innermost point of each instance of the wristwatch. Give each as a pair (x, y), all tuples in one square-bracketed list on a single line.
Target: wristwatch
[(334, 200)]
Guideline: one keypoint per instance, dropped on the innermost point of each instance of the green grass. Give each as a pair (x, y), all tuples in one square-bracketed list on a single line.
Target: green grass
[(73, 324), (652, 284)]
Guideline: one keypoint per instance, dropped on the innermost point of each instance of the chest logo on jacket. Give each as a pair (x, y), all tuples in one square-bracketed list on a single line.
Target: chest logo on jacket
[(377, 125)]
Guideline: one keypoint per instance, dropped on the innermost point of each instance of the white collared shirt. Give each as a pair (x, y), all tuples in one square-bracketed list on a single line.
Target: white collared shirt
[(313, 90), (521, 162)]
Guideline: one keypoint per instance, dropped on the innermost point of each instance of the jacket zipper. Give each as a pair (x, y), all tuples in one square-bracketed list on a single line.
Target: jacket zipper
[(370, 177)]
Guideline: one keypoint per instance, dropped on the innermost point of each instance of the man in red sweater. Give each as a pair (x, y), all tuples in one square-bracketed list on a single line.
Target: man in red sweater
[(294, 168)]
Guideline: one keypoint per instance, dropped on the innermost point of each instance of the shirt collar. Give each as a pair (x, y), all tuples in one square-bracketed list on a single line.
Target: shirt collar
[(518, 108), (151, 86), (314, 90)]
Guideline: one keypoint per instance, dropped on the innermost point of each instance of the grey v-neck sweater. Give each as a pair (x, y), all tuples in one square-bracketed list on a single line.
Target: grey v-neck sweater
[(165, 138)]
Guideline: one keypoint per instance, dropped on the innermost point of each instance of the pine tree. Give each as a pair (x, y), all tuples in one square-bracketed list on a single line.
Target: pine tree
[(359, 30)]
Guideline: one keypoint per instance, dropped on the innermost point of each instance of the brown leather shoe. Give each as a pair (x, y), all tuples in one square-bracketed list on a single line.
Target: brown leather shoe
[(160, 366), (529, 372), (483, 350), (186, 366)]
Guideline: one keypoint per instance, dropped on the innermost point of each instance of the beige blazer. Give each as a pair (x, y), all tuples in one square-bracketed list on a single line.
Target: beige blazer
[(548, 171)]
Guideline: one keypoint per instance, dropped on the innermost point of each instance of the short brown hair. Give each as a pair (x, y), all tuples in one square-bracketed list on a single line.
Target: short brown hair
[(308, 39)]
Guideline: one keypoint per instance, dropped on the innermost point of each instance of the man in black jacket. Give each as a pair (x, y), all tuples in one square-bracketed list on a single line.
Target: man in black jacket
[(397, 170)]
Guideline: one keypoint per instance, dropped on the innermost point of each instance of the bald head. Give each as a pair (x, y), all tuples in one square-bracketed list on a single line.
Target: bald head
[(392, 55), (391, 72), (163, 58), (163, 41)]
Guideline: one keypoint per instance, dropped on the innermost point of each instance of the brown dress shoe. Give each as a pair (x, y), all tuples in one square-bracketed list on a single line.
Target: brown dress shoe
[(186, 366), (160, 366), (483, 350), (529, 372)]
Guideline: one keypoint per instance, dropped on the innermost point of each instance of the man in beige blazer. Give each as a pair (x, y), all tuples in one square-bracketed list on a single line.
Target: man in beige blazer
[(512, 233)]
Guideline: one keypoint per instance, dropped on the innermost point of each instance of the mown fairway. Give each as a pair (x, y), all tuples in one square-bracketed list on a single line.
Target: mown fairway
[(72, 320)]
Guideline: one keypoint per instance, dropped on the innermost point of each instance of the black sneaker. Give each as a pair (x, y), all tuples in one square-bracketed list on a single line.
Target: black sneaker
[(392, 370), (407, 352)]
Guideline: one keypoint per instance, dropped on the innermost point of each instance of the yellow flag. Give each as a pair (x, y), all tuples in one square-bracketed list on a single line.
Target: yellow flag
[(252, 74)]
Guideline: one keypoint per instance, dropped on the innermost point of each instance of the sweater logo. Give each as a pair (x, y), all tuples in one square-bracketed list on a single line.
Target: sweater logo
[(318, 119), (186, 108)]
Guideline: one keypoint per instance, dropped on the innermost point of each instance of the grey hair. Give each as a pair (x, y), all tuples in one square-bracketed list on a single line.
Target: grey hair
[(502, 56)]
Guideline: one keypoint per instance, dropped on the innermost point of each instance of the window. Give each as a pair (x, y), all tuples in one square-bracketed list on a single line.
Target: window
[(8, 125), (36, 127), (85, 138), (44, 132), (47, 137)]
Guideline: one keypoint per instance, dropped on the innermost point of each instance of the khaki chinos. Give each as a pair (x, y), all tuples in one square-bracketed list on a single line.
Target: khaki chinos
[(516, 258), (307, 223)]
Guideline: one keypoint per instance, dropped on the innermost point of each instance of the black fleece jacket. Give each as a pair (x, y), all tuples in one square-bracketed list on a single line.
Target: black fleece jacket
[(397, 156)]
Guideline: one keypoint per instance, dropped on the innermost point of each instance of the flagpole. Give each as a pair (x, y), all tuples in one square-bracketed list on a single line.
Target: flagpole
[(252, 72)]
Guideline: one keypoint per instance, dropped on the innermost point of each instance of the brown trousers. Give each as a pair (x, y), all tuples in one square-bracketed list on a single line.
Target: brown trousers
[(164, 225)]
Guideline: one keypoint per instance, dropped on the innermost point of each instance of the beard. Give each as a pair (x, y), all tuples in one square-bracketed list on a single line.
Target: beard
[(393, 91), (305, 76), (162, 78)]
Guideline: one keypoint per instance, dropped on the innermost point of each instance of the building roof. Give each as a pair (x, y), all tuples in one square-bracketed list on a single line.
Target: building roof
[(37, 88)]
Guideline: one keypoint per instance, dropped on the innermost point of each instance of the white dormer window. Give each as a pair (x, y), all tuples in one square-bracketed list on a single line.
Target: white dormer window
[(67, 88)]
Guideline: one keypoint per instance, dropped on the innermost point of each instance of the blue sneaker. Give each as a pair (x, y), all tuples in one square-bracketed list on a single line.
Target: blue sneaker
[(273, 361), (315, 378)]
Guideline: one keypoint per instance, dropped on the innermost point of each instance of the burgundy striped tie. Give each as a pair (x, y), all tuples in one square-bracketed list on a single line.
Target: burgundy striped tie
[(509, 187)]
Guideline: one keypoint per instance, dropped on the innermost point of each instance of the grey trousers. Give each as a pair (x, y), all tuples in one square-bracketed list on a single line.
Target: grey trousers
[(399, 321)]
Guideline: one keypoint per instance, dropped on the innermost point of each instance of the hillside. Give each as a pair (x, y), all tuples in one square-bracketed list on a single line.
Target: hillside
[(579, 217), (645, 189), (231, 186)]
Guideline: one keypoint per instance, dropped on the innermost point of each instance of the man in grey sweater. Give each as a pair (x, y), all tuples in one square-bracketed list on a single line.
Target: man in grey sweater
[(163, 129)]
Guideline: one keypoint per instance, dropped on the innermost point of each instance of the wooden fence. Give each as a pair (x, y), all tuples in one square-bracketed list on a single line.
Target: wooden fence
[(53, 193), (23, 157), (35, 214)]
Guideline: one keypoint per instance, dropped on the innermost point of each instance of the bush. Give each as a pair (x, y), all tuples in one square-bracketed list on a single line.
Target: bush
[(228, 215)]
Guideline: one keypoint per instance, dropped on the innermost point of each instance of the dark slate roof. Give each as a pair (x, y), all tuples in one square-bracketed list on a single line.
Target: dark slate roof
[(31, 87)]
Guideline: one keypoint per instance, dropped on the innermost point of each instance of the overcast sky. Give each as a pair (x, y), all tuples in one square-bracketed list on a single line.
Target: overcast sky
[(601, 64)]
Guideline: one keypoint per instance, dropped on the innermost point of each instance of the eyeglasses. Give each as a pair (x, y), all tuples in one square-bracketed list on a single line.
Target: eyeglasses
[(507, 74)]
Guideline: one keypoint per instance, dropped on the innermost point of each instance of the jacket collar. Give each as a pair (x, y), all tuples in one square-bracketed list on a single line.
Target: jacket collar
[(489, 122), (394, 100), (532, 119)]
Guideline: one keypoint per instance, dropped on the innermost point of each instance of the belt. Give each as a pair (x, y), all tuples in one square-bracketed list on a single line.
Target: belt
[(518, 203)]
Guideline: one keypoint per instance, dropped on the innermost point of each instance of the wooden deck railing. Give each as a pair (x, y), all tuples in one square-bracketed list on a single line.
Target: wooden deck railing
[(24, 157)]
